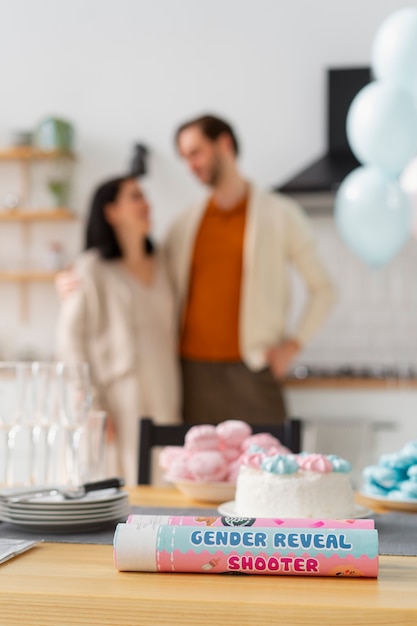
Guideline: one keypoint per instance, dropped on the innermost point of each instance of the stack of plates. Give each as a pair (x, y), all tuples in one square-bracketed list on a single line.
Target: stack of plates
[(54, 513)]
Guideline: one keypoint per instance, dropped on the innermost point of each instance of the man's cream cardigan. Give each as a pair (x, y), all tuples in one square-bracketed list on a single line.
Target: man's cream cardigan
[(277, 234)]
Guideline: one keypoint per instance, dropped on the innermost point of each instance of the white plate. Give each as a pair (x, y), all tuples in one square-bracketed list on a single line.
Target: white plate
[(228, 508), (65, 515), (47, 509), (90, 500), (65, 527), (55, 514), (92, 522), (207, 492), (407, 504), (67, 522)]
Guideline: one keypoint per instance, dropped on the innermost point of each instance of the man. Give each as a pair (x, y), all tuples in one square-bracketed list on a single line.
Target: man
[(228, 260)]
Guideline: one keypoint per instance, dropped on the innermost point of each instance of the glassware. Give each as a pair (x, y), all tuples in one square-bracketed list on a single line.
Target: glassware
[(95, 440), (26, 420), (44, 396), (74, 399), (11, 389), (32, 391)]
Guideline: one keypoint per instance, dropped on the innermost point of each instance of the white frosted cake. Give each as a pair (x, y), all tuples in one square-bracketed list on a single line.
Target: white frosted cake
[(304, 485)]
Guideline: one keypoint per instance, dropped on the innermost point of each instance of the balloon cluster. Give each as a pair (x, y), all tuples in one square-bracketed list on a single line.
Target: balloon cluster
[(373, 208)]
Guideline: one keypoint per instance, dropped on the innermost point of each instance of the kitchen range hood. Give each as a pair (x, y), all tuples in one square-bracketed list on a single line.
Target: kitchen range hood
[(314, 187)]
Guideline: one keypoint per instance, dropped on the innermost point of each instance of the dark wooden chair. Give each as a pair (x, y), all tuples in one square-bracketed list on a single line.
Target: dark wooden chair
[(152, 435)]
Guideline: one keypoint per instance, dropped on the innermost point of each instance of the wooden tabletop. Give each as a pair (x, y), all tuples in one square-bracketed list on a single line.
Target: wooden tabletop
[(68, 584)]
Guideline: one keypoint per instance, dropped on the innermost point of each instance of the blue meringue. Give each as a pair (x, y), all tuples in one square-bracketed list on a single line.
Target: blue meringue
[(339, 464), (371, 489), (409, 488), (412, 472), (396, 460), (280, 464), (386, 477), (410, 450), (395, 494)]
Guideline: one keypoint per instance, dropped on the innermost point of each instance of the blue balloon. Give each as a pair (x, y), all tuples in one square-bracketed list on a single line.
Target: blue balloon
[(394, 49), (381, 127), (372, 215)]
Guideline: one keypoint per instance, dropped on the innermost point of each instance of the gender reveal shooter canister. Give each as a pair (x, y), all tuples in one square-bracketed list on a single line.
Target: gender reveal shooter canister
[(250, 550)]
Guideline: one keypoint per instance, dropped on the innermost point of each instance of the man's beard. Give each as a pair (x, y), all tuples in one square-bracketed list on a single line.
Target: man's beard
[(215, 173)]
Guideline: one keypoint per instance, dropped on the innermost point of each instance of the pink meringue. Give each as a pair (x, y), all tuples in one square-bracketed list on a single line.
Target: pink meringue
[(178, 470), (215, 453), (169, 454), (252, 459), (233, 471), (274, 450), (202, 437), (208, 466), (232, 433), (263, 440), (231, 454), (315, 463)]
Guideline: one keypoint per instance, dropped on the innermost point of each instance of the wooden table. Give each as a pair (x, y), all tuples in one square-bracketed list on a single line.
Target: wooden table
[(60, 584)]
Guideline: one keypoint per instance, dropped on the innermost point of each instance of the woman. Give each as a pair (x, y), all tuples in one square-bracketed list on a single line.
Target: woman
[(121, 319)]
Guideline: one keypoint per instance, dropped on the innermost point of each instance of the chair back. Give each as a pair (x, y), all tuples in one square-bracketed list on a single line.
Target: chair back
[(152, 435)]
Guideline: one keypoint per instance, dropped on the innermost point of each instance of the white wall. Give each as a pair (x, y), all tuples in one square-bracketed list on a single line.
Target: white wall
[(374, 321), (131, 70)]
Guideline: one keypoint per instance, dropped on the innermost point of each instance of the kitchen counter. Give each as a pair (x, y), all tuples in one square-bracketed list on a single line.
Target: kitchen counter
[(351, 382), (359, 418)]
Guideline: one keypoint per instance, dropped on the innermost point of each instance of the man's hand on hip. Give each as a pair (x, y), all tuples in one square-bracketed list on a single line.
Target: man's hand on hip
[(280, 357)]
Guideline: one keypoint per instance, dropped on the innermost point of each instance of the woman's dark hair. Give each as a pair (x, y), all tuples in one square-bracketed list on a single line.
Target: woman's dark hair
[(211, 127), (100, 234)]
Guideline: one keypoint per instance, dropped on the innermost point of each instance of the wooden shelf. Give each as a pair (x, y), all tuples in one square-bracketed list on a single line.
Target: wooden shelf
[(27, 277), (29, 153), (26, 158), (37, 215)]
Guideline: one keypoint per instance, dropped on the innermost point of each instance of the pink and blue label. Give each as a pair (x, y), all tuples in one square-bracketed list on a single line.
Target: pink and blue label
[(251, 550)]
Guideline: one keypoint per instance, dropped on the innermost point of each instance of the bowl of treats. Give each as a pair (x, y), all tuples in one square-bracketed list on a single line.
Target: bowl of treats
[(206, 467), (392, 481)]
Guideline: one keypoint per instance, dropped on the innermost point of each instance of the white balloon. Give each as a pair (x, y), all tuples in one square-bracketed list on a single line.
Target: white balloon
[(372, 215), (381, 127), (408, 178), (394, 49), (408, 183)]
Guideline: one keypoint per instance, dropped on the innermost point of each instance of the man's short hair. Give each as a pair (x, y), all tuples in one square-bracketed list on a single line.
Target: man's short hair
[(211, 127)]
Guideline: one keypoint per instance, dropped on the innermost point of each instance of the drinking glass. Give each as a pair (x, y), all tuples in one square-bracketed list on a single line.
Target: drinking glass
[(44, 411), (11, 398), (95, 441), (26, 420), (74, 398), (26, 400)]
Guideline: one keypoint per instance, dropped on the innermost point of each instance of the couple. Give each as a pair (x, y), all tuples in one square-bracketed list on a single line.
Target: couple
[(216, 292)]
